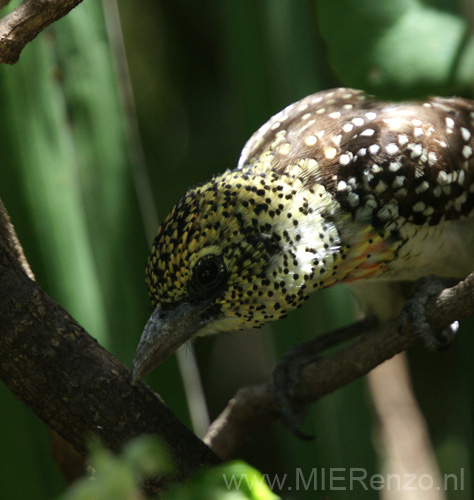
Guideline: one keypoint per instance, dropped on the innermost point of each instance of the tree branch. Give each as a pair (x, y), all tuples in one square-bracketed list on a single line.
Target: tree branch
[(79, 389), (28, 20), (254, 406), (50, 362)]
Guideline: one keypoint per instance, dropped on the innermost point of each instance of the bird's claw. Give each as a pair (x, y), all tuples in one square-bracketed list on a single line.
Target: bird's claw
[(413, 317), (287, 374), (285, 379)]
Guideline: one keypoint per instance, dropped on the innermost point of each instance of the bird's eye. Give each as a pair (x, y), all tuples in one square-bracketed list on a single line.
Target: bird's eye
[(208, 272), (208, 277)]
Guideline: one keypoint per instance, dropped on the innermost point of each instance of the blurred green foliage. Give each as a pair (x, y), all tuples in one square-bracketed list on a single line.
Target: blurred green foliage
[(205, 76), (407, 48), (119, 477)]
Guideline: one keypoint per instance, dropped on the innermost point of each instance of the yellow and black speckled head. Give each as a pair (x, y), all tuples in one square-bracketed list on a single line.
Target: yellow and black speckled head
[(238, 244), (234, 253)]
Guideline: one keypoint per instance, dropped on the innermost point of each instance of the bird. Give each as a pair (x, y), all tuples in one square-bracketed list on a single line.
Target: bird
[(338, 187)]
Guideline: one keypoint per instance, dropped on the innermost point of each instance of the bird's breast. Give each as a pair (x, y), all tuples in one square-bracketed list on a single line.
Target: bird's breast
[(443, 250)]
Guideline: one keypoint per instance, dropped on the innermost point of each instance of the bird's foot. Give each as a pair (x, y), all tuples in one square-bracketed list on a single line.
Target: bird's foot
[(287, 374), (285, 380), (413, 317)]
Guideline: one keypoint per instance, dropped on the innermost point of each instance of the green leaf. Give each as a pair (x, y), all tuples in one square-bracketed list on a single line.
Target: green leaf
[(148, 456), (112, 478), (406, 47), (232, 481)]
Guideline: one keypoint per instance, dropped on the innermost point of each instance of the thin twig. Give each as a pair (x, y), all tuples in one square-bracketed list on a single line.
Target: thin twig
[(28, 20), (253, 407)]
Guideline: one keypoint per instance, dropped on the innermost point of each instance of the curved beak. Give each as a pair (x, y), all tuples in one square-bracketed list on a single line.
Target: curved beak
[(163, 334)]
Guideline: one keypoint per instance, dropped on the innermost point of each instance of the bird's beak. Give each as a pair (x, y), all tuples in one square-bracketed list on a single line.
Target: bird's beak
[(163, 334)]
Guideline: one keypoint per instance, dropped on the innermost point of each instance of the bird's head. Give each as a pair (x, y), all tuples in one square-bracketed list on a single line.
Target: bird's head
[(233, 254)]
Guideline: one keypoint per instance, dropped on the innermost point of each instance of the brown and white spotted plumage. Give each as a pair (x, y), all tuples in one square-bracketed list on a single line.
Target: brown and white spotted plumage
[(338, 187), (416, 155)]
